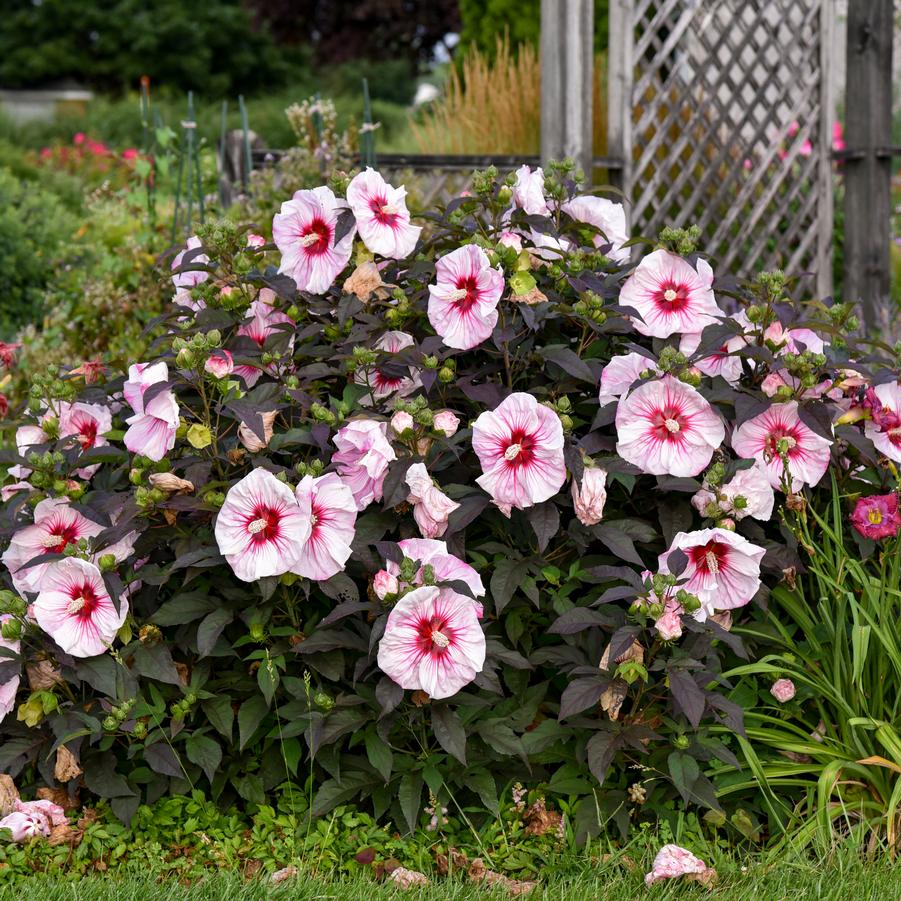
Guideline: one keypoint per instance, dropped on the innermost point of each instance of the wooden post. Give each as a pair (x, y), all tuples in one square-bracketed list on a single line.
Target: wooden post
[(825, 178), (867, 163), (567, 50), (619, 96)]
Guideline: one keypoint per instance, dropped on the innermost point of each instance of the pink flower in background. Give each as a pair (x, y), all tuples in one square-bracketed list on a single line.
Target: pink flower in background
[(511, 239), (528, 192), (780, 429), (670, 295), (78, 138), (463, 304), (151, 431), (520, 449), (26, 825), (884, 429), (362, 458), (806, 148), (75, 609), (607, 216), (130, 153), (447, 422), (666, 427), (446, 566), (723, 568), (260, 529), (838, 136), (382, 215), (255, 241), (590, 496), (8, 353), (401, 421), (618, 376), (669, 624), (87, 423), (783, 690), (383, 584), (725, 360), (184, 281), (433, 642), (793, 340), (877, 516), (219, 364), (431, 506), (52, 812), (747, 493), (672, 862), (304, 232), (383, 382), (332, 512), (8, 688), (261, 323)]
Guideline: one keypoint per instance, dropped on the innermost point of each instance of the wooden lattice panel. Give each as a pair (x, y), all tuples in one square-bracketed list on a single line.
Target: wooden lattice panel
[(725, 119)]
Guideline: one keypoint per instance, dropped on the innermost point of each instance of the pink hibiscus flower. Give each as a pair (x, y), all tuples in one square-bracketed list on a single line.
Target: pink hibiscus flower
[(261, 529), (383, 383), (431, 506), (670, 296), (793, 340), (724, 361), (184, 281), (590, 496), (747, 493), (446, 567), (884, 429), (520, 450), (433, 642), (671, 862), (152, 429), (362, 458), (8, 688), (618, 376), (330, 507), (783, 690), (87, 423), (666, 427), (28, 439), (528, 191), (261, 323), (723, 567), (607, 216), (304, 232), (219, 364), (463, 303), (26, 825), (74, 608), (777, 431), (382, 215), (876, 517)]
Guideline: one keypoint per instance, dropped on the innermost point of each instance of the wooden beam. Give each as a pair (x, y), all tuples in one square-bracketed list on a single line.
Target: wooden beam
[(868, 122), (619, 96), (567, 52), (825, 181)]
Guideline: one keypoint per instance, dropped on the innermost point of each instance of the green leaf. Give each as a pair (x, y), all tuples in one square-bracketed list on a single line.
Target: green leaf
[(210, 629), (409, 793), (507, 577), (221, 715), (253, 711), (205, 752), (379, 754), (684, 771), (184, 608), (155, 662), (199, 436), (449, 731), (522, 282), (482, 783), (267, 679)]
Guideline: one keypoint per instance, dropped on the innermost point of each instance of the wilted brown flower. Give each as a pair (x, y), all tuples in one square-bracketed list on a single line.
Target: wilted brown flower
[(249, 437)]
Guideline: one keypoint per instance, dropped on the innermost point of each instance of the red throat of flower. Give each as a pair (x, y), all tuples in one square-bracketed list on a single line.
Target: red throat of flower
[(520, 450), (709, 558), (384, 212), (671, 297), (669, 424), (87, 431), (263, 525), (58, 536), (84, 600), (435, 636), (466, 295), (317, 237)]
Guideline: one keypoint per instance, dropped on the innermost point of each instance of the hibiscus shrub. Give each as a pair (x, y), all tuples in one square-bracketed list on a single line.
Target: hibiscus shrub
[(403, 511)]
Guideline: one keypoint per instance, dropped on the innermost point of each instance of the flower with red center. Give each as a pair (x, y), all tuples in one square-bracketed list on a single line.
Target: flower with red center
[(445, 566), (87, 423), (723, 568), (151, 431), (723, 360), (608, 217), (877, 516), (262, 323), (332, 512), (362, 458), (463, 303), (190, 278), (75, 609), (433, 642), (670, 295), (10, 686), (884, 429), (777, 435), (382, 215), (528, 191), (666, 427), (391, 377), (91, 371), (8, 353), (304, 231), (618, 376), (520, 450), (431, 506), (261, 530)]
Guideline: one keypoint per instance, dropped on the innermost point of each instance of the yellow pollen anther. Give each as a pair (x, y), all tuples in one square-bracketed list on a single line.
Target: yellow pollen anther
[(51, 540), (313, 519), (512, 452), (713, 564), (256, 526), (76, 605), (672, 425), (311, 238), (669, 295), (440, 639), (875, 517)]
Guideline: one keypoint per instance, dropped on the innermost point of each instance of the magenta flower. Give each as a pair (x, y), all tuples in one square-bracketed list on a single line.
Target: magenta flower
[(884, 429), (446, 567), (152, 429), (261, 530), (431, 506), (463, 303), (262, 322), (723, 568), (184, 281), (382, 215), (528, 191), (362, 458), (670, 295), (877, 516), (433, 642), (219, 364), (332, 512), (672, 862), (724, 361), (8, 688), (74, 608), (607, 216), (666, 427), (589, 497), (520, 450), (618, 376), (779, 432), (783, 690), (304, 232)]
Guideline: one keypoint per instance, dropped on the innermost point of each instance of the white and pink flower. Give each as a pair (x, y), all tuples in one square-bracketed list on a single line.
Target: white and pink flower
[(384, 583), (520, 449), (672, 862), (778, 435), (747, 493), (463, 304), (431, 506), (261, 530), (528, 191), (590, 496), (380, 381), (332, 512), (723, 568), (74, 608), (666, 427), (447, 422), (31, 819), (783, 690), (151, 430), (670, 295), (219, 364), (382, 216), (362, 458), (262, 322), (618, 376), (184, 281), (884, 430), (445, 566), (433, 642), (304, 232), (723, 361), (605, 215)]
